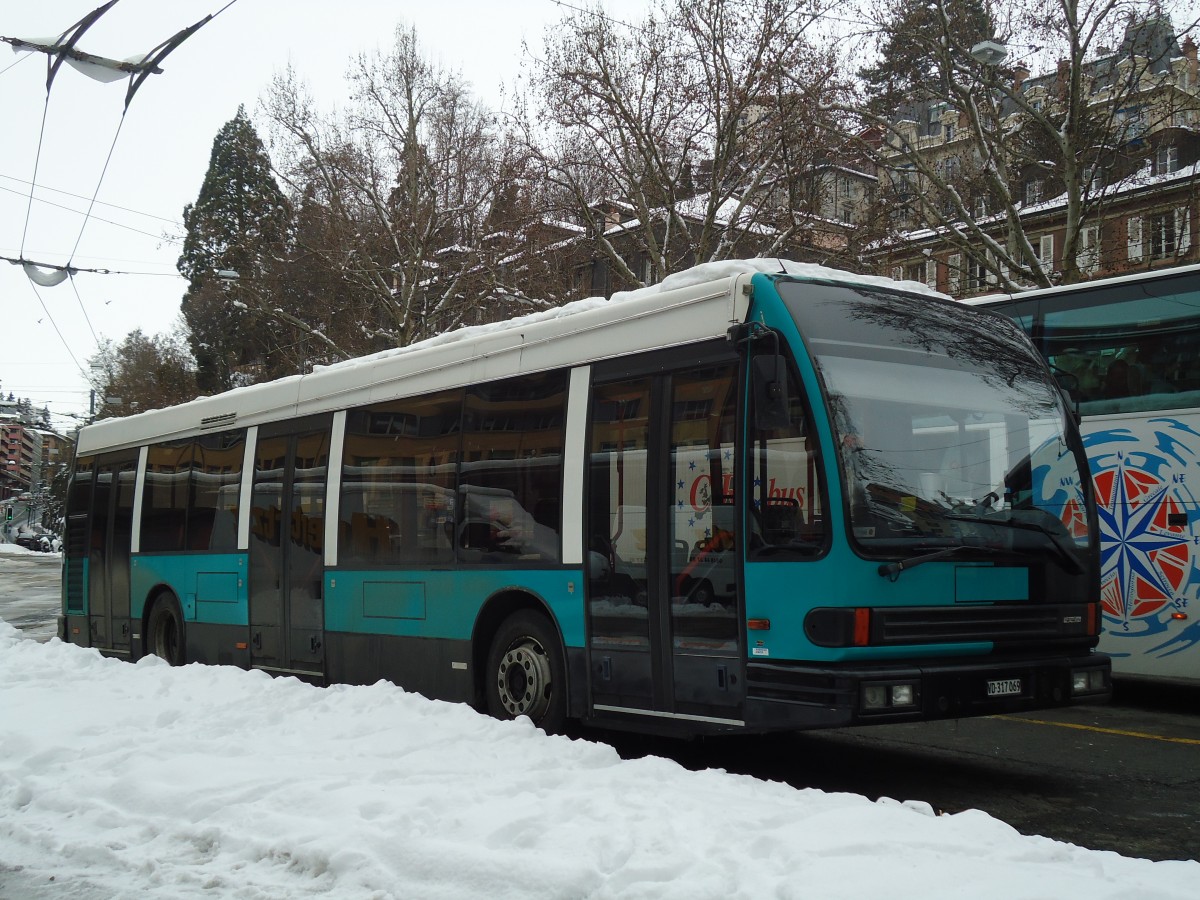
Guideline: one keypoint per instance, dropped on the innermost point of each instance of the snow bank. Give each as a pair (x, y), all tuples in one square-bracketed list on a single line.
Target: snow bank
[(120, 779)]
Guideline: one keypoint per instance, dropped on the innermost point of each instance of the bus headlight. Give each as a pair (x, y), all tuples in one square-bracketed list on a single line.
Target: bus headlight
[(889, 696), (1087, 681)]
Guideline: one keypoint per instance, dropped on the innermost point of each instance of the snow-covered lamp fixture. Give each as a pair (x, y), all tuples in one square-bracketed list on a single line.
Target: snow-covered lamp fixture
[(990, 53)]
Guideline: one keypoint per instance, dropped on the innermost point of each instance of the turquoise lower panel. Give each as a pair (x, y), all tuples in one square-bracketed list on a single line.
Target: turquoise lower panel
[(211, 587), (444, 604), (784, 592)]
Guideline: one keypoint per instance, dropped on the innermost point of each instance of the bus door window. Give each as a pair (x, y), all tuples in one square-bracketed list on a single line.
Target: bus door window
[(616, 526), (287, 538), (78, 537), (786, 514), (703, 570), (306, 557)]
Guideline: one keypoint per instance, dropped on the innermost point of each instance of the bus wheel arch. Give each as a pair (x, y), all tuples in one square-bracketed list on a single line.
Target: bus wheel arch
[(163, 629), (520, 661)]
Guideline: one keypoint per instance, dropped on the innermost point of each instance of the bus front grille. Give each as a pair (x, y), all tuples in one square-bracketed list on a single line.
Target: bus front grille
[(1008, 622)]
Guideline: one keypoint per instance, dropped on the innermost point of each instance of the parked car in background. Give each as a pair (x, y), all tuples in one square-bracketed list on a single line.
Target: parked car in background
[(33, 540)]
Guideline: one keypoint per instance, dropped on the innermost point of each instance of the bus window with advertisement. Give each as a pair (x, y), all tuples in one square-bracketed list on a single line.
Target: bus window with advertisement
[(759, 496), (1128, 351)]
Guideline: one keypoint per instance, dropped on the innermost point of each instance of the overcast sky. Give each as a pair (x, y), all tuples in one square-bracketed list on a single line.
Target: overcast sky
[(162, 152)]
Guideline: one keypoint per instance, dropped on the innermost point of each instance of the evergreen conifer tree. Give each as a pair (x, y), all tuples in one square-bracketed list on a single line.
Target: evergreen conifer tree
[(238, 224), (909, 69)]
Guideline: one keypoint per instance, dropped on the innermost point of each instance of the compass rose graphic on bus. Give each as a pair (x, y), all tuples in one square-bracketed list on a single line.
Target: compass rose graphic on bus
[(1147, 555)]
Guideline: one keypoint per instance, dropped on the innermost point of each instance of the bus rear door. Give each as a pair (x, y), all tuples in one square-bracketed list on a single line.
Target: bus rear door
[(287, 522)]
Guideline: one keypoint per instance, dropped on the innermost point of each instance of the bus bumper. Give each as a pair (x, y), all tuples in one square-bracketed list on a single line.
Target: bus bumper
[(806, 696)]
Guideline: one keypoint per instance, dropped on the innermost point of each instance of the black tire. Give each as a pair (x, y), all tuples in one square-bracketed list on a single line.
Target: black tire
[(701, 592), (525, 674), (164, 631)]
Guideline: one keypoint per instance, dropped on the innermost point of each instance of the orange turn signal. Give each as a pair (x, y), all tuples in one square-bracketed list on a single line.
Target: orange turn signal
[(758, 624), (862, 626)]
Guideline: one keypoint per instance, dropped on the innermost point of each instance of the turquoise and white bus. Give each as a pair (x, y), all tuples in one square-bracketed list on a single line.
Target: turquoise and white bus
[(757, 496), (1131, 349)]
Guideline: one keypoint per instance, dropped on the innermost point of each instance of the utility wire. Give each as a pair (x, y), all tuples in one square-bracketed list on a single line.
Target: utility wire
[(136, 212), (92, 203), (75, 270), (71, 36), (86, 318), (11, 65), (161, 237), (57, 331), (36, 160)]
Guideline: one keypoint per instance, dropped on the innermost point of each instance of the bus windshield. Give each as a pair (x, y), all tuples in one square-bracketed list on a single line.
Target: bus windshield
[(949, 431)]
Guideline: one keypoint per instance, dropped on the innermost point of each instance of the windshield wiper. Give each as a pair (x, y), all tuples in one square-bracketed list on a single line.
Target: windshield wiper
[(892, 570), (1064, 552)]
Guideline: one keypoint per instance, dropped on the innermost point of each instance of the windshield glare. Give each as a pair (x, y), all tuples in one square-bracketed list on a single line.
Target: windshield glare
[(948, 430)]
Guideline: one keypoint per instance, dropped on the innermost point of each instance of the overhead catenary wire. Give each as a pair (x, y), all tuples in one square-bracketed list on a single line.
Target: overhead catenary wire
[(64, 48), (43, 187), (57, 330), (74, 270), (162, 237)]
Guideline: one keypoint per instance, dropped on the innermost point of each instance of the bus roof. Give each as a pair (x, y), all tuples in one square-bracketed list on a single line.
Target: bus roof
[(1097, 284), (694, 305)]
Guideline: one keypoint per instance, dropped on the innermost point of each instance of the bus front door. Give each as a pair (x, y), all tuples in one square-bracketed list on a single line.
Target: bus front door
[(287, 529), (663, 603)]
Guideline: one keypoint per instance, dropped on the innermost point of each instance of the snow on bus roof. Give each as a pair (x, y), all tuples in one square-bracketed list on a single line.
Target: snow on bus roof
[(703, 273), (286, 396)]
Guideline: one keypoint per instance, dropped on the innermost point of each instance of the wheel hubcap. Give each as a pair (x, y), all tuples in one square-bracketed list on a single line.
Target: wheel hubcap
[(523, 679)]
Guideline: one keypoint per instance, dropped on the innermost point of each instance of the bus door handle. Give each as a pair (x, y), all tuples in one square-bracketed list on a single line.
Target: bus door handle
[(256, 641), (314, 643)]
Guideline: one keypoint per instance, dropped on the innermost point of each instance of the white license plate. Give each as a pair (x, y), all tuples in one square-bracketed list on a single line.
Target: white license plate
[(1004, 687)]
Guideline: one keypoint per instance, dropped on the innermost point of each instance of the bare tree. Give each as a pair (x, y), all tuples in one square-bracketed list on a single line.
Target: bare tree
[(973, 146), (142, 373), (669, 139), (394, 193)]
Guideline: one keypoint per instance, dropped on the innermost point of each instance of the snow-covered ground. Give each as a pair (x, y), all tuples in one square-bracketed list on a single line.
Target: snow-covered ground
[(121, 780)]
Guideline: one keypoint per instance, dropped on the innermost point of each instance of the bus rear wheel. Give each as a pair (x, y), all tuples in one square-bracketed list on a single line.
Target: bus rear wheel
[(525, 672), (164, 631)]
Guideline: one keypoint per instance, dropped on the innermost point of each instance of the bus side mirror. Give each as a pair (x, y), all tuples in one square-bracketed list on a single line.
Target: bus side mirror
[(768, 384)]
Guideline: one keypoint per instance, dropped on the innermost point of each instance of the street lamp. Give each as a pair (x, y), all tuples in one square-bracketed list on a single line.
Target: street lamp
[(990, 53)]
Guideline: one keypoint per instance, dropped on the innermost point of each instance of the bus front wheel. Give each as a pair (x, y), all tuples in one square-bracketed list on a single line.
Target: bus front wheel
[(525, 672), (164, 631)]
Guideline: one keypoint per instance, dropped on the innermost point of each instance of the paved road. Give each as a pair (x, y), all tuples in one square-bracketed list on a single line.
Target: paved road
[(30, 585), (1123, 776)]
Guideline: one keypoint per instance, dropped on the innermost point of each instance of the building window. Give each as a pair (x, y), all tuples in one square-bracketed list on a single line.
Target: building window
[(1045, 251), (1033, 191), (1162, 235), (1166, 160), (1133, 235), (1088, 257), (977, 275), (1133, 122)]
